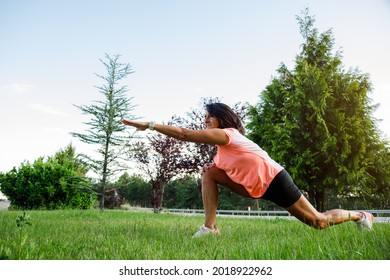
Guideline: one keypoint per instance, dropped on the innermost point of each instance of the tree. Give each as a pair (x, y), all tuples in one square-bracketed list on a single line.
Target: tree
[(317, 120), (162, 158), (105, 128)]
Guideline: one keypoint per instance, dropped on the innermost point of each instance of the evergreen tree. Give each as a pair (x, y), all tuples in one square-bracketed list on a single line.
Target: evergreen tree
[(105, 127), (317, 121)]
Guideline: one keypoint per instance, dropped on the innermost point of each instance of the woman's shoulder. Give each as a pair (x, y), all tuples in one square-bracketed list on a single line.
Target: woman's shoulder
[(234, 132), (230, 130), (235, 137)]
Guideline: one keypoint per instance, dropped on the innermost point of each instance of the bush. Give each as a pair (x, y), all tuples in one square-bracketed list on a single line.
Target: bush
[(46, 184)]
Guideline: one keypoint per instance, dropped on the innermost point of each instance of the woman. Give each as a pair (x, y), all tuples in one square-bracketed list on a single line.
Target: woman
[(243, 167)]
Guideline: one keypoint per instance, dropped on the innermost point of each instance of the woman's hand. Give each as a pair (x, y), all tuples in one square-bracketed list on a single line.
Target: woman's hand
[(138, 125)]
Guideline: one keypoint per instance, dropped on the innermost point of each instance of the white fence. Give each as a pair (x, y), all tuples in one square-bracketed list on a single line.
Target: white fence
[(377, 213)]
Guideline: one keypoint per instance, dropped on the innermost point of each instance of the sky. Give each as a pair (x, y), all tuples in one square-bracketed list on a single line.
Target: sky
[(179, 50)]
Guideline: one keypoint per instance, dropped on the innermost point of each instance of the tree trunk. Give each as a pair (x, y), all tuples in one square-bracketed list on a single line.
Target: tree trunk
[(311, 197), (320, 200), (103, 192), (158, 193), (105, 167), (317, 199), (199, 184)]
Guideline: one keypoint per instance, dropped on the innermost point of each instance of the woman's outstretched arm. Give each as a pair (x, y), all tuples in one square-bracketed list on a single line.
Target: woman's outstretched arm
[(213, 136)]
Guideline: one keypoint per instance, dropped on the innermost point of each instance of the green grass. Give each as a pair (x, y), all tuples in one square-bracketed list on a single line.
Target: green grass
[(125, 235)]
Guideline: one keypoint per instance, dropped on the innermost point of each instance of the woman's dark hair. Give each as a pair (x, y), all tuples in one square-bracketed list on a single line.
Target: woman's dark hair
[(226, 116)]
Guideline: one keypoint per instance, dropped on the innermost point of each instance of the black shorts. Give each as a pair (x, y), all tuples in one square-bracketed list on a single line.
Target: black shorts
[(282, 190)]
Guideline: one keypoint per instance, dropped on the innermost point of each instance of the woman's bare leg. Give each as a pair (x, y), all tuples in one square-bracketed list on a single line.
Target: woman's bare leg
[(211, 177), (305, 212)]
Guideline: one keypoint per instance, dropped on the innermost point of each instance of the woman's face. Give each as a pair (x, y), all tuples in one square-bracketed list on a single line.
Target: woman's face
[(210, 122)]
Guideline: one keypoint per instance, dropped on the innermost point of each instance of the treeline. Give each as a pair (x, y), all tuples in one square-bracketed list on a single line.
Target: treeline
[(182, 193), (185, 193)]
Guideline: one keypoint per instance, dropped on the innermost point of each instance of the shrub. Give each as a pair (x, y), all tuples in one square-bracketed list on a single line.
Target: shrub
[(46, 184)]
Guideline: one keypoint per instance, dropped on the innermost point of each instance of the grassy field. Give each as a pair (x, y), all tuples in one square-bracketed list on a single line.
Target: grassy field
[(126, 235)]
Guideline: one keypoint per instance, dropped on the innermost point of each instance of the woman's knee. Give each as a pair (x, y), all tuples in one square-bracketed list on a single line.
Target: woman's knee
[(208, 173), (208, 170)]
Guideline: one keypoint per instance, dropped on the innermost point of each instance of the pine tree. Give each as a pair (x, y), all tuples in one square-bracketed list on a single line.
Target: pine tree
[(317, 120), (105, 127)]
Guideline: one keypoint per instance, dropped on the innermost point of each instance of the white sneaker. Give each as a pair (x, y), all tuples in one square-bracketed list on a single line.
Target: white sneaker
[(366, 221), (203, 231)]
